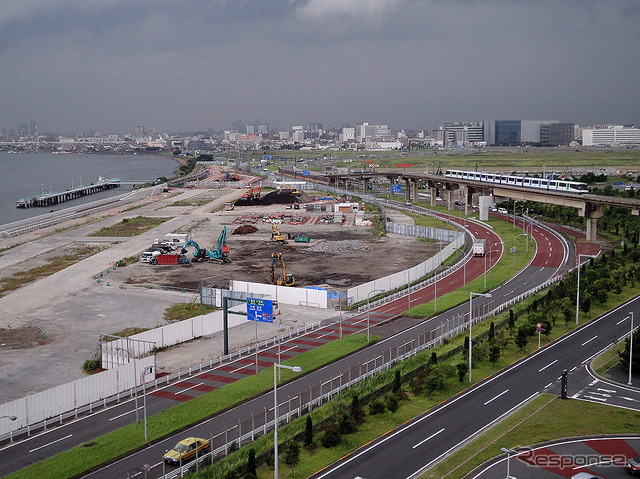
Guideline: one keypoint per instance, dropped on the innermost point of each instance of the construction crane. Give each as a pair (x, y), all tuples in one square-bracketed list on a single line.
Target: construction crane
[(285, 279), (276, 236)]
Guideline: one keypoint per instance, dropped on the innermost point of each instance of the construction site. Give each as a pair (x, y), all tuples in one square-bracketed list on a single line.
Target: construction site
[(266, 237)]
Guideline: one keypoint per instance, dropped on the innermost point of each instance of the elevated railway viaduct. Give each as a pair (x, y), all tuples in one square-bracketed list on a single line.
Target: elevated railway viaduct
[(591, 207)]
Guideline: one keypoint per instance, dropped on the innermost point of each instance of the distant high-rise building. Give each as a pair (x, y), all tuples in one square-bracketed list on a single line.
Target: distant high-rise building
[(263, 129), (32, 128), (140, 131), (251, 130)]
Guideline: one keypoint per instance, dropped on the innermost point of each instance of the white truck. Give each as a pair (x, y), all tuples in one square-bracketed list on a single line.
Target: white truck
[(479, 246)]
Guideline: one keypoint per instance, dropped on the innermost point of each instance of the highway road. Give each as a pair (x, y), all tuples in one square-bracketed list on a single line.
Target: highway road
[(552, 254), (410, 450)]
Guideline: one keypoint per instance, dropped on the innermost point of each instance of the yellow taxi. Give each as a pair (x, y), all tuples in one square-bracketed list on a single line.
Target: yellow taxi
[(186, 450)]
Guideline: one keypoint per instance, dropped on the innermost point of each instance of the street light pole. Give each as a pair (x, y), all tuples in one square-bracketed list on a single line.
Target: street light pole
[(295, 369), (368, 308), (630, 348), (508, 451), (146, 371), (471, 295)]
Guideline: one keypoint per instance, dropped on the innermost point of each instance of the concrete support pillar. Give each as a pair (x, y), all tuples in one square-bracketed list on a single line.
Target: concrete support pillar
[(414, 193), (450, 200), (591, 213), (365, 185), (407, 189), (468, 200), (433, 192)]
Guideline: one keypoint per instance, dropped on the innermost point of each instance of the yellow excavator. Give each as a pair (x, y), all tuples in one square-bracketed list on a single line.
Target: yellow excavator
[(289, 189), (285, 279), (276, 236)]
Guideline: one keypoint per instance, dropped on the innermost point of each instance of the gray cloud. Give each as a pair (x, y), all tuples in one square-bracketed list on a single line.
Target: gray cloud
[(112, 65)]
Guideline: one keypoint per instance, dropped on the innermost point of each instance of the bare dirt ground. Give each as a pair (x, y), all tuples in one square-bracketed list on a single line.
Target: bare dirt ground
[(353, 257)]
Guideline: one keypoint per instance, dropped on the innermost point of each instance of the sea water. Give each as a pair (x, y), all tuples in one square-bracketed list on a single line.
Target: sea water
[(26, 174)]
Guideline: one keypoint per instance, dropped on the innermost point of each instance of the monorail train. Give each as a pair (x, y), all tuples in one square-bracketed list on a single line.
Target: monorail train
[(523, 181)]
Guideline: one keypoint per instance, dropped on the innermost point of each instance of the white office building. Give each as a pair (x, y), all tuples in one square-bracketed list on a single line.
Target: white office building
[(611, 136)]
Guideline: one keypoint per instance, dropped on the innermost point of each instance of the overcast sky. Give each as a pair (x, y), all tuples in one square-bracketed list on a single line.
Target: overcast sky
[(111, 65)]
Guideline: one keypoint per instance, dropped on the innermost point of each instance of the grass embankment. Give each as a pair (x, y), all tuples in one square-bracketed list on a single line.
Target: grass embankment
[(130, 227), (55, 264), (129, 438)]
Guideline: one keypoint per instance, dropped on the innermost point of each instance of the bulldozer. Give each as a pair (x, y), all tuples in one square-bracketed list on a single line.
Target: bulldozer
[(285, 279), (276, 236)]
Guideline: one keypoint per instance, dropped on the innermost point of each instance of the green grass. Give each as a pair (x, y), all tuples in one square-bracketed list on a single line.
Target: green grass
[(129, 438), (181, 311), (130, 227)]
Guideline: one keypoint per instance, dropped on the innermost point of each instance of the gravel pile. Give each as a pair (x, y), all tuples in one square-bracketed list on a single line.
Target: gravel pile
[(338, 247)]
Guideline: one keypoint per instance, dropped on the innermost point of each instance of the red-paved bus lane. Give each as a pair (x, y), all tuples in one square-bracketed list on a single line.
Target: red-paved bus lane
[(604, 456)]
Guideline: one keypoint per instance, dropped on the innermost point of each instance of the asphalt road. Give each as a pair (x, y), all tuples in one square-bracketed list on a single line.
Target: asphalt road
[(417, 445)]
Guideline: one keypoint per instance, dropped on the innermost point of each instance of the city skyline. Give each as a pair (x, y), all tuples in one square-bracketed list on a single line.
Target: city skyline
[(410, 64)]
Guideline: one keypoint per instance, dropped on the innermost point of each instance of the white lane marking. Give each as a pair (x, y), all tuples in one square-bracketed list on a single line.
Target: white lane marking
[(194, 386), (587, 342), (430, 437), (550, 364), (601, 394), (121, 415), (548, 385), (52, 442), (596, 398), (573, 369), (607, 390), (496, 397), (621, 321), (629, 399)]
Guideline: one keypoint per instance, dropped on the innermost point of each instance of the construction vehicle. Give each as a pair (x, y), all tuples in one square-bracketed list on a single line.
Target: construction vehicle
[(289, 189), (253, 194), (221, 254), (228, 206), (285, 279), (276, 236), (300, 238)]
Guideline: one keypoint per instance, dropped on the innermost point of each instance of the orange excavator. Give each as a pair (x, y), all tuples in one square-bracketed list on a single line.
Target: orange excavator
[(253, 194)]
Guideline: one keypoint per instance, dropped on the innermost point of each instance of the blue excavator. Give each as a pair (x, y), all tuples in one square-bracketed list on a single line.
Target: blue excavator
[(221, 254)]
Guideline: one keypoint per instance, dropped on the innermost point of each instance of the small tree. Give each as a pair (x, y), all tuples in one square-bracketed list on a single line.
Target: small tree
[(251, 464), (492, 331), (346, 424), (357, 413), (512, 319), (308, 432), (397, 384), (494, 354), (522, 338), (391, 401), (292, 454), (434, 358), (331, 436), (462, 369)]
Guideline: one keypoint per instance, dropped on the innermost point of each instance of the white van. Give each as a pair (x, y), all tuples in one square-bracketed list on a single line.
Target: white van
[(502, 211)]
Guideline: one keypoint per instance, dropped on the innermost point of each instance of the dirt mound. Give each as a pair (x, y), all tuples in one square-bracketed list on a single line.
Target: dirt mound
[(275, 198), (244, 230)]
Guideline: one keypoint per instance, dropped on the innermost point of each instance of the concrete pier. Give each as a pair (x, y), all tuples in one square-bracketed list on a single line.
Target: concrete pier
[(49, 199)]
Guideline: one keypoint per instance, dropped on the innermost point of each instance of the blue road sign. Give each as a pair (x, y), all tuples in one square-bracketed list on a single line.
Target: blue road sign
[(260, 310), (396, 188), (306, 172)]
